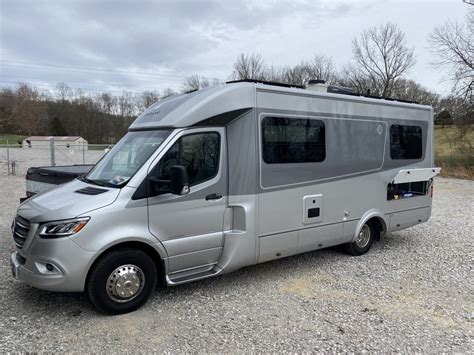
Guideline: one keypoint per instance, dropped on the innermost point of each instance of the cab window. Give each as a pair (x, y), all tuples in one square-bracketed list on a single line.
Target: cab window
[(198, 153)]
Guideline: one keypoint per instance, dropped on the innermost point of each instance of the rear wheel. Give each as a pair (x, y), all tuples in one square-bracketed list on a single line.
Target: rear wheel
[(364, 240), (122, 281)]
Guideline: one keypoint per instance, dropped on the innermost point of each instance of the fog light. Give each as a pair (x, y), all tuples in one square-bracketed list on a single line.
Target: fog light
[(49, 267)]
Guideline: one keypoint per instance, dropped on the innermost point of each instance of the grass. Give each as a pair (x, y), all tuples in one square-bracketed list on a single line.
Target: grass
[(454, 151), (12, 139)]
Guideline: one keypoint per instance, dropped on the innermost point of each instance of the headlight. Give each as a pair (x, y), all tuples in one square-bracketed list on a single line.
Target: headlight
[(62, 228)]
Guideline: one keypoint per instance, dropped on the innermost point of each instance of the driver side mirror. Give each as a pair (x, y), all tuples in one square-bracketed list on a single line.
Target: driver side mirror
[(179, 180)]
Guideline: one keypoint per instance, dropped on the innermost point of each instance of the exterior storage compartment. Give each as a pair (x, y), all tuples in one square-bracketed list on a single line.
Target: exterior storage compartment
[(405, 219), (278, 246)]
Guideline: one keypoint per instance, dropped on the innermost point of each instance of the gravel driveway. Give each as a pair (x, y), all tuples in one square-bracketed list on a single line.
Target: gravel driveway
[(412, 292)]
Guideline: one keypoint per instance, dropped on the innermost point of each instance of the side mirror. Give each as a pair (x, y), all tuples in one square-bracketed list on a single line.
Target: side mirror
[(179, 180)]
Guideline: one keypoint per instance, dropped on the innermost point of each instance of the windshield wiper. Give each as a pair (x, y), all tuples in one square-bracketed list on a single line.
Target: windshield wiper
[(89, 181)]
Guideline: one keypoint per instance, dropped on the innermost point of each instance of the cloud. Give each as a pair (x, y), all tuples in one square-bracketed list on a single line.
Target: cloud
[(138, 45)]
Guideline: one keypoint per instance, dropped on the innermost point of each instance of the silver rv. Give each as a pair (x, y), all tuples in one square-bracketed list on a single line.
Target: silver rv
[(214, 180)]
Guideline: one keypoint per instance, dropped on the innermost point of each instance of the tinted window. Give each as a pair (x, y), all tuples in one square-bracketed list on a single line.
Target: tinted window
[(198, 153), (293, 140), (406, 142)]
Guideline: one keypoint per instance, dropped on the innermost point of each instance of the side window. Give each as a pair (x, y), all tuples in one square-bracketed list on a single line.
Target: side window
[(406, 142), (198, 153), (293, 140)]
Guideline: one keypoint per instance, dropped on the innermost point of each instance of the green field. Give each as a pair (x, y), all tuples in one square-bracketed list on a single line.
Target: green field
[(12, 139), (454, 151)]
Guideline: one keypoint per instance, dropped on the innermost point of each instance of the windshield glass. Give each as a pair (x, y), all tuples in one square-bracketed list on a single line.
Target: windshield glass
[(118, 166)]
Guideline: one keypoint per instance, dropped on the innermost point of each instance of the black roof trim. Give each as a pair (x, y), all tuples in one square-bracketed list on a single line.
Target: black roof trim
[(265, 83), (302, 87), (378, 97), (222, 119)]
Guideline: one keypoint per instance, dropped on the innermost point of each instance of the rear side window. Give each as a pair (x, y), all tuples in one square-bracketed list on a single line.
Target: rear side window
[(405, 142), (293, 140), (198, 153)]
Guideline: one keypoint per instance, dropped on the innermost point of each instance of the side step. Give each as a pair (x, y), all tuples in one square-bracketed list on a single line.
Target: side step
[(179, 278)]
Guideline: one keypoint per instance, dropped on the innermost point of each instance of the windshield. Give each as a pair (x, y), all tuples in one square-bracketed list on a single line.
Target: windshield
[(118, 166)]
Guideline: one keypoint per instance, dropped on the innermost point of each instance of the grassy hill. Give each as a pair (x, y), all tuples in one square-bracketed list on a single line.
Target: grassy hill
[(454, 151)]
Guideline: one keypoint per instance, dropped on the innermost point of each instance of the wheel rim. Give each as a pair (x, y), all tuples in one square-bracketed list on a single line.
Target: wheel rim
[(125, 283), (364, 237)]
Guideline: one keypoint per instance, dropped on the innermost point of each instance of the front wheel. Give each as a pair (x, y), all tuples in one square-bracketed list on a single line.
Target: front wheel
[(122, 281), (364, 240)]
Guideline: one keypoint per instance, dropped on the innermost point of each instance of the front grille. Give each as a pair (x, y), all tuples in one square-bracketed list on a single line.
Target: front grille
[(20, 229)]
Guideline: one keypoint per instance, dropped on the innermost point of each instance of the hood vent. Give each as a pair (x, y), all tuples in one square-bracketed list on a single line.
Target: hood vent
[(91, 191)]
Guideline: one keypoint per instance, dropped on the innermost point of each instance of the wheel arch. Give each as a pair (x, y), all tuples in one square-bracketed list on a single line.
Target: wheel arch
[(157, 256), (373, 216)]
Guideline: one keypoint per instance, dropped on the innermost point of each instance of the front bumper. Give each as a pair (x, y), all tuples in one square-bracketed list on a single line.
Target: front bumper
[(52, 264)]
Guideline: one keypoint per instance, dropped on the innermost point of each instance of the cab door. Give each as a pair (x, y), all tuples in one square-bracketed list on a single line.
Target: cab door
[(191, 226)]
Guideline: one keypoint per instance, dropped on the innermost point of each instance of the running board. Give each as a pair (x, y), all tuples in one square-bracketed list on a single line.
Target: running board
[(179, 278)]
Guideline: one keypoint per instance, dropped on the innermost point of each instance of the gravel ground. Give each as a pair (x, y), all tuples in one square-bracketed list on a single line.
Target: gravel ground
[(412, 292)]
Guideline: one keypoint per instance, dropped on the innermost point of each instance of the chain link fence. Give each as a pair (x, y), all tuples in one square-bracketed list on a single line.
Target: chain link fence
[(15, 159)]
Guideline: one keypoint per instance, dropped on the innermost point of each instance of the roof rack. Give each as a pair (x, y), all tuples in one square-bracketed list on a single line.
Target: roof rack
[(265, 83), (342, 92)]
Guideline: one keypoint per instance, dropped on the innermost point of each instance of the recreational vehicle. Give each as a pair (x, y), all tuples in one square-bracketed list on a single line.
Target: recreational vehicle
[(213, 180)]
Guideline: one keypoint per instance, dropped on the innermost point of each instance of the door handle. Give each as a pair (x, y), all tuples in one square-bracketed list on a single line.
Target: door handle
[(213, 197)]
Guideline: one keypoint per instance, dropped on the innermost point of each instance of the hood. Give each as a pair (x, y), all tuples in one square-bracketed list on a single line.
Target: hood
[(64, 202)]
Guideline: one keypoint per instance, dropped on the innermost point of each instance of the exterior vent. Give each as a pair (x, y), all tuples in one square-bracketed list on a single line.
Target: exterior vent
[(317, 85), (91, 191), (20, 229)]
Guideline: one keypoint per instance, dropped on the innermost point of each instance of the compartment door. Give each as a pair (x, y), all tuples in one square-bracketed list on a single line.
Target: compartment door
[(412, 175)]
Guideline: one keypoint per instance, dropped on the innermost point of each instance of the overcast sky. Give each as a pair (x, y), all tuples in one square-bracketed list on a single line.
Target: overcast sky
[(150, 45)]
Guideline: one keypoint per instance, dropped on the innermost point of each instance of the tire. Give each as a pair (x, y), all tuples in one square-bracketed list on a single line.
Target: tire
[(368, 234), (121, 281)]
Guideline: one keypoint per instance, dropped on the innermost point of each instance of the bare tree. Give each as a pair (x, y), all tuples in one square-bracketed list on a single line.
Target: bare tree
[(321, 67), (29, 113), (249, 66), (412, 91), (167, 92), (381, 57), (453, 45), (353, 77), (194, 82), (63, 92), (145, 100)]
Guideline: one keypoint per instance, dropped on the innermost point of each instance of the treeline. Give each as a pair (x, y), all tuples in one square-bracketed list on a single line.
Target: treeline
[(99, 118), (380, 66)]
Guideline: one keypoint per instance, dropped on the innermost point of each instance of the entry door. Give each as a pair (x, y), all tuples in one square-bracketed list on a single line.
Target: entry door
[(190, 226)]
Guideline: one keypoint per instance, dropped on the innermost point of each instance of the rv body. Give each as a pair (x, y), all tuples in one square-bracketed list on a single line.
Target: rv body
[(269, 172)]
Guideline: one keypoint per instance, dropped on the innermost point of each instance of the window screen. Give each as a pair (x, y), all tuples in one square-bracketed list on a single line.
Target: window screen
[(293, 140), (198, 153), (406, 142)]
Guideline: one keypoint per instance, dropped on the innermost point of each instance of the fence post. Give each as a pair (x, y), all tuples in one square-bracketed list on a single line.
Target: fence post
[(51, 148), (8, 158), (83, 153)]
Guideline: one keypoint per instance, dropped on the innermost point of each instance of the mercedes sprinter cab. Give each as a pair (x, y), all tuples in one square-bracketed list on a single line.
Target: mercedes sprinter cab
[(214, 180)]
